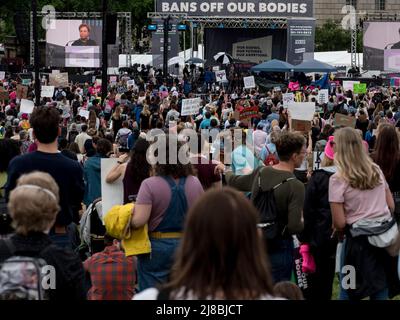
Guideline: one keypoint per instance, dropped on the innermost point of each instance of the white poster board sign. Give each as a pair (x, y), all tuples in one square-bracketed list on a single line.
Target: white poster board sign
[(2, 75), (323, 96), (216, 68), (302, 110), (287, 99), (349, 85), (318, 156), (47, 91), (190, 106), (130, 82), (112, 194), (249, 82), (84, 113), (26, 106), (220, 75)]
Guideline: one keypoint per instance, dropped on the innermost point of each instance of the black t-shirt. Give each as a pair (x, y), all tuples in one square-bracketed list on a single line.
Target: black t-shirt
[(66, 172), (89, 42)]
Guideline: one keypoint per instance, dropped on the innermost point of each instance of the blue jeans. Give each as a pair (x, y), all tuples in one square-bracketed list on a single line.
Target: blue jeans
[(154, 268), (343, 295), (281, 260)]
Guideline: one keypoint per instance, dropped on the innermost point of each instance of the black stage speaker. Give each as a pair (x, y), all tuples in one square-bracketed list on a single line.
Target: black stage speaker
[(111, 32)]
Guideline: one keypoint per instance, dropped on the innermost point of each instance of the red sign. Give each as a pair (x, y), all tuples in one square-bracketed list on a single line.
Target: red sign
[(248, 113)]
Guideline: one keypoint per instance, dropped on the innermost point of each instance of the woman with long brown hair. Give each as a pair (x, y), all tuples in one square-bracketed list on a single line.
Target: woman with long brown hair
[(221, 256), (387, 156), (162, 203)]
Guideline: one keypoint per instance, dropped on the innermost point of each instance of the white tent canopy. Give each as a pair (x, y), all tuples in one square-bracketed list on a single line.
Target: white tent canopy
[(337, 58)]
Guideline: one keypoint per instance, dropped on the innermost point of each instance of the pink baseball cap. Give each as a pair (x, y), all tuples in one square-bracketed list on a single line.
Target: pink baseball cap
[(329, 148)]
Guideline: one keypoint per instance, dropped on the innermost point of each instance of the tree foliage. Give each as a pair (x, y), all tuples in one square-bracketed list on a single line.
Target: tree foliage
[(331, 37)]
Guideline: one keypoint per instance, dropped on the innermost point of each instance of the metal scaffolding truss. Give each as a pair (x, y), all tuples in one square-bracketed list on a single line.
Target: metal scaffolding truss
[(122, 17), (227, 22)]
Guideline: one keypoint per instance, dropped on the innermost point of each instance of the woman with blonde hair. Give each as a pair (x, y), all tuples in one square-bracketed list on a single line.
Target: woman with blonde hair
[(33, 206), (145, 118), (94, 122), (362, 206)]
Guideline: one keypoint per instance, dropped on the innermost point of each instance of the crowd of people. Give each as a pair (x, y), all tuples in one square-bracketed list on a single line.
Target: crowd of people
[(222, 225)]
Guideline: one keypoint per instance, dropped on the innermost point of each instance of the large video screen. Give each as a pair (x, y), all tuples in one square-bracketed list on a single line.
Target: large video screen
[(77, 43), (382, 46)]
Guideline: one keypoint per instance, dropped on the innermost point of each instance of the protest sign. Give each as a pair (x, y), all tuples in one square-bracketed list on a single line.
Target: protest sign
[(84, 113), (342, 120), (278, 89), (113, 79), (318, 156), (287, 98), (301, 125), (302, 110), (26, 82), (299, 97), (22, 92), (216, 68), (130, 82), (2, 75), (190, 106), (59, 79), (249, 82), (349, 85), (248, 113), (294, 86), (98, 82), (323, 96), (26, 106), (220, 75), (55, 71), (360, 88), (111, 193), (47, 91)]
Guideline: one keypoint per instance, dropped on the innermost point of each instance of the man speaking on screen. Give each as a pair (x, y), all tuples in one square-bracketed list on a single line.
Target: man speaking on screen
[(84, 33)]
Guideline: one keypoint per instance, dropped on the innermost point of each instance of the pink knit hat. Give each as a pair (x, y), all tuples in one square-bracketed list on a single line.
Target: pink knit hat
[(329, 148)]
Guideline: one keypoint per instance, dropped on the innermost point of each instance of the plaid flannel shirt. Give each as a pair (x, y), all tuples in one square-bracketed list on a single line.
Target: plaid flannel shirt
[(113, 275)]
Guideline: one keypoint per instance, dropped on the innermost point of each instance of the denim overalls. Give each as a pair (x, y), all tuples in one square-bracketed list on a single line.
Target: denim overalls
[(154, 268)]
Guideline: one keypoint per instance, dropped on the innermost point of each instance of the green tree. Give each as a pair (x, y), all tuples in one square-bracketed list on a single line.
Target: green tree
[(331, 37)]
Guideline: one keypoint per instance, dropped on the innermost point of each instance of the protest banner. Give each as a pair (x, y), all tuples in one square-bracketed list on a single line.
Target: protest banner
[(318, 156), (2, 75), (349, 85), (47, 91), (22, 92), (26, 106), (360, 88), (84, 113), (323, 96), (112, 194), (302, 110), (342, 120), (220, 76), (59, 79), (190, 106), (248, 113), (249, 82), (287, 98)]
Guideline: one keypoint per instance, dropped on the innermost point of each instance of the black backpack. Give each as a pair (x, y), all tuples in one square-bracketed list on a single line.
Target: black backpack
[(272, 225), (5, 219), (154, 119)]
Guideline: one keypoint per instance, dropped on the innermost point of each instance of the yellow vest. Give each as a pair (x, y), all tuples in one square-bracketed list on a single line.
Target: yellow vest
[(118, 225)]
